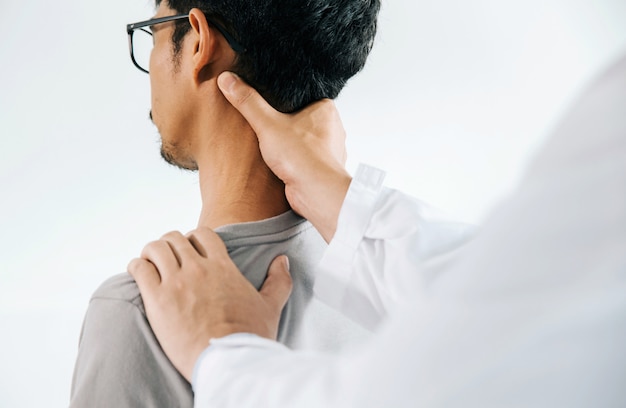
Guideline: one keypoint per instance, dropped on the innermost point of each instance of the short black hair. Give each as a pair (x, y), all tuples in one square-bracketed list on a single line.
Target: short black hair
[(297, 51)]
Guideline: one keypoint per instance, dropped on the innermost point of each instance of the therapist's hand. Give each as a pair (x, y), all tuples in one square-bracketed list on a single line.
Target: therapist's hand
[(306, 150), (192, 292)]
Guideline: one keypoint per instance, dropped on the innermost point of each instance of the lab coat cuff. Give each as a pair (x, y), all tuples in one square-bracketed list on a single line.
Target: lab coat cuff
[(232, 342)]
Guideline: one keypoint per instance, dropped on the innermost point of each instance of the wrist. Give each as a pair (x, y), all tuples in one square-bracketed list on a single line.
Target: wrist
[(319, 199)]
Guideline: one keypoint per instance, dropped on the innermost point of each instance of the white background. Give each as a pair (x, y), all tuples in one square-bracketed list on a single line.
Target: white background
[(455, 98)]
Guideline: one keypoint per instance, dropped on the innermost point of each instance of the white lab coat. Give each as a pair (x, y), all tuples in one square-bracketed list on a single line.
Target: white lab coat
[(531, 313)]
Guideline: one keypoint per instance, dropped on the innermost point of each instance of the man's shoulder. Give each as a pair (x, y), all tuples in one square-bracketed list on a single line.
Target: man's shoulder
[(285, 227), (120, 362), (121, 287)]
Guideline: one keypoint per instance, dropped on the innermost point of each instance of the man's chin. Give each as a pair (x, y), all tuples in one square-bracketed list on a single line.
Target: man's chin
[(176, 162)]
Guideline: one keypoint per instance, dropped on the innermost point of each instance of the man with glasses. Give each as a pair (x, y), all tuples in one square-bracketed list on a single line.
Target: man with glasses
[(294, 52)]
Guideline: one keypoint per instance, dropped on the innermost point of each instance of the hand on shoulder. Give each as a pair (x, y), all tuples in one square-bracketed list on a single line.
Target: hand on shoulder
[(193, 292)]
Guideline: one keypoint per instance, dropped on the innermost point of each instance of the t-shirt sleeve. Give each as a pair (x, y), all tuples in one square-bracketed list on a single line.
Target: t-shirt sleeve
[(121, 364)]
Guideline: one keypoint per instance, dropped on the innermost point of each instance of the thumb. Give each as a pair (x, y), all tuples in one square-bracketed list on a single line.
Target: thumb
[(277, 286), (259, 114)]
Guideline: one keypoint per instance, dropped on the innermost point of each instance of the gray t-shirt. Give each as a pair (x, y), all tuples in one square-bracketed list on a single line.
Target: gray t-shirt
[(120, 362)]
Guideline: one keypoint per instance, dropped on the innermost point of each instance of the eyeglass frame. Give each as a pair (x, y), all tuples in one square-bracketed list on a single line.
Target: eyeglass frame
[(130, 29)]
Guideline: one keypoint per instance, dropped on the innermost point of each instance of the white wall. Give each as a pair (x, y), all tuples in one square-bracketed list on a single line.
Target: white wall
[(456, 96)]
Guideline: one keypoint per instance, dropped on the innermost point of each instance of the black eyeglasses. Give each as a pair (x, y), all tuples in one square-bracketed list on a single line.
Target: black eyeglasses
[(141, 45)]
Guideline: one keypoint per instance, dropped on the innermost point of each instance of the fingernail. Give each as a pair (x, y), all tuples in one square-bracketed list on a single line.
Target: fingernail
[(227, 81), (287, 262)]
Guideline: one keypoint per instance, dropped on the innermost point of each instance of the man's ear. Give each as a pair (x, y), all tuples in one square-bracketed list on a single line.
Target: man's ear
[(205, 44)]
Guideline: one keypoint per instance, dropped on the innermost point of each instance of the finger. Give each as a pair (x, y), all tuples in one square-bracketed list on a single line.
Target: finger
[(277, 286), (195, 242), (259, 114), (206, 242), (145, 274), (180, 245), (161, 255)]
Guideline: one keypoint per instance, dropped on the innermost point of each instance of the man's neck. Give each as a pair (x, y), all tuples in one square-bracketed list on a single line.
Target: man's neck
[(236, 185)]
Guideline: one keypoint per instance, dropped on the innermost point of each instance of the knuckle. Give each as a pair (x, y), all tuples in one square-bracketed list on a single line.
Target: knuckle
[(200, 235), (150, 246), (245, 96), (179, 286), (212, 240), (171, 234), (204, 231), (134, 265)]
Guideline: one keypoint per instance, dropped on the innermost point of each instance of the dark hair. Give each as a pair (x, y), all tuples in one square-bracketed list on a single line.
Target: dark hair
[(297, 51)]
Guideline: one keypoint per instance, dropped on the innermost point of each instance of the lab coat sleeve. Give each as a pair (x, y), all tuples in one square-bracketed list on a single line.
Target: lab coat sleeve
[(387, 249)]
